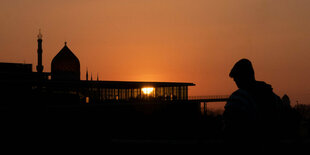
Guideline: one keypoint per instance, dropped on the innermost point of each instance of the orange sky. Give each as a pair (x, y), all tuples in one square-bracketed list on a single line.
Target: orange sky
[(167, 40)]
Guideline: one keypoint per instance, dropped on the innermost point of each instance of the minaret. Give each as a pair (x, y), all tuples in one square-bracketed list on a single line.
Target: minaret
[(40, 66)]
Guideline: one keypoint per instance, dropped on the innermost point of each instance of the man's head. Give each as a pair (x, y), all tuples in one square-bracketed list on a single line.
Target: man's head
[(243, 73)]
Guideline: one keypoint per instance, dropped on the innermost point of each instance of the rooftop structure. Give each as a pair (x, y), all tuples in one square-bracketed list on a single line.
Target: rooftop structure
[(64, 81), (65, 65)]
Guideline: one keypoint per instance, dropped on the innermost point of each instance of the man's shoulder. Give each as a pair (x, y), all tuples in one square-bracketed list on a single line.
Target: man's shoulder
[(239, 94), (239, 98)]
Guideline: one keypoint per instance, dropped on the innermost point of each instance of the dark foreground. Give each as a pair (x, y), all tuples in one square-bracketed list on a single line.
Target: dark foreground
[(127, 128)]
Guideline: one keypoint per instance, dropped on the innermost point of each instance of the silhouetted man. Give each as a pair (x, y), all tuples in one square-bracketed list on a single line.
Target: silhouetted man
[(250, 114)]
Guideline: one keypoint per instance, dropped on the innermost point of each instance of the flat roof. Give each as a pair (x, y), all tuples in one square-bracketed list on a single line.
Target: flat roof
[(116, 84), (15, 67), (142, 83)]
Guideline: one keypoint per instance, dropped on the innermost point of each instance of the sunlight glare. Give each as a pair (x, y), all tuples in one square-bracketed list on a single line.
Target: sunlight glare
[(148, 90)]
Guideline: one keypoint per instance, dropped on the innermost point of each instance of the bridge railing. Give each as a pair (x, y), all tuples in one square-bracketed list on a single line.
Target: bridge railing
[(211, 97)]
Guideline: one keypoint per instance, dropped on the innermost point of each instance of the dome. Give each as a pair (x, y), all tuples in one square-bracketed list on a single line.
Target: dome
[(65, 65)]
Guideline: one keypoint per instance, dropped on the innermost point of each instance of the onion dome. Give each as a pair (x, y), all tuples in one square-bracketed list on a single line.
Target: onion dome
[(65, 65)]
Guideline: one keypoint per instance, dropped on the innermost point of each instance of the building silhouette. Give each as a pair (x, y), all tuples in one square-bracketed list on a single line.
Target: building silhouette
[(63, 85)]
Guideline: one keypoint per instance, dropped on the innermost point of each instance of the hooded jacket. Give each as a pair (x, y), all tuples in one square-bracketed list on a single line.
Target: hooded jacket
[(252, 113)]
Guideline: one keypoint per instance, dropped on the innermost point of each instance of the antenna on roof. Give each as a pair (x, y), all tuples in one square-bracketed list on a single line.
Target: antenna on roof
[(86, 73)]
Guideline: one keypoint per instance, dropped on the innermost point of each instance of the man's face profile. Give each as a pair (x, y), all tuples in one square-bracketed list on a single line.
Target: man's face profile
[(242, 82)]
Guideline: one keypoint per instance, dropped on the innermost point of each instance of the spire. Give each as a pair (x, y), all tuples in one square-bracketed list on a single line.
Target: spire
[(40, 35), (39, 51), (65, 43), (97, 77), (86, 73)]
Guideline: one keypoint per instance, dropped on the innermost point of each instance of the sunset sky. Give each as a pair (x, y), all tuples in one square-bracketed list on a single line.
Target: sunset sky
[(167, 40)]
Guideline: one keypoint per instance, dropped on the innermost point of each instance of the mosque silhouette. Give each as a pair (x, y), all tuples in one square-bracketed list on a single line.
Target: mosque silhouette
[(77, 110), (63, 85)]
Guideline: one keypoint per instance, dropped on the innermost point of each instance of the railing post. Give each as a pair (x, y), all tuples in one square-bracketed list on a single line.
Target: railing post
[(205, 108)]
